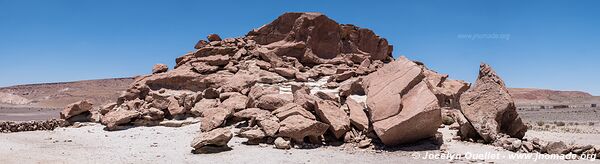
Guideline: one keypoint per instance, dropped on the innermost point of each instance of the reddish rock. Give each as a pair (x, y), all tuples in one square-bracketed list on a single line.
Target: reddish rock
[(419, 119), (224, 96), (174, 107), (178, 80), (291, 109), (254, 136), (358, 117), (76, 109), (214, 118), (434, 78), (251, 113), (314, 38), (385, 87), (203, 68), (270, 77), (465, 129), (352, 88), (298, 127), (343, 76), (200, 44), (263, 64), (159, 68), (403, 108), (203, 105), (307, 101), (450, 91), (273, 101), (213, 37), (363, 68), (330, 113), (490, 108), (235, 103), (117, 117), (269, 123), (214, 60), (218, 137), (240, 81), (327, 96), (286, 72)]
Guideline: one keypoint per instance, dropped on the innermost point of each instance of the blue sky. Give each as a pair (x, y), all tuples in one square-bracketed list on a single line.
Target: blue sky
[(535, 44)]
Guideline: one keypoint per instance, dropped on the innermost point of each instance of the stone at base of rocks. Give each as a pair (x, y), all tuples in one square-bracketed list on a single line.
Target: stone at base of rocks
[(217, 137), (211, 149), (281, 143), (438, 139), (364, 143), (178, 123), (557, 148)]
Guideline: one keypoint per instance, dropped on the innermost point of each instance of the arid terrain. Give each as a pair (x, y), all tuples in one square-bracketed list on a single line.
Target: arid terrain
[(44, 101), (301, 89)]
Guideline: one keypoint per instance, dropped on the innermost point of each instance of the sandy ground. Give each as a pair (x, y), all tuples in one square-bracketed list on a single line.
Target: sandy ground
[(91, 144)]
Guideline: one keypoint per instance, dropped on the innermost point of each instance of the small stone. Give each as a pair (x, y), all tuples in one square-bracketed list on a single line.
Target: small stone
[(281, 143)]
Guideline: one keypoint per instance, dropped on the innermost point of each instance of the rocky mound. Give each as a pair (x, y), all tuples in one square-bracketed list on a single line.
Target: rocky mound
[(303, 78), (58, 95)]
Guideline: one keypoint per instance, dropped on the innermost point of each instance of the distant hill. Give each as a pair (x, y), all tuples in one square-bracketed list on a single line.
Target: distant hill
[(58, 95), (529, 96)]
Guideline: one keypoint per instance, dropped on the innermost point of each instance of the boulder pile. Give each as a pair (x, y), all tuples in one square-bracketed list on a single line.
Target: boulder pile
[(306, 79), (11, 126)]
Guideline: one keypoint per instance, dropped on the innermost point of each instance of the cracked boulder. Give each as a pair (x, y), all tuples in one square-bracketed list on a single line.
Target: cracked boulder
[(489, 107), (402, 106)]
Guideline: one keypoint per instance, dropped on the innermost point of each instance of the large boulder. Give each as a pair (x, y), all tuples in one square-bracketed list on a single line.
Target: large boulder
[(204, 105), (315, 38), (182, 79), (490, 108), (76, 109), (386, 87), (402, 106), (269, 123), (213, 37), (117, 117), (298, 127), (273, 101), (358, 117), (214, 118), (214, 138), (330, 113), (239, 82), (235, 103), (174, 108), (159, 68)]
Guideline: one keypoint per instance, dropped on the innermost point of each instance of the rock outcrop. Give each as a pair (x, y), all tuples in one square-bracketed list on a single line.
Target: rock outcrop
[(403, 108), (159, 68), (75, 109), (489, 107), (313, 38), (301, 78)]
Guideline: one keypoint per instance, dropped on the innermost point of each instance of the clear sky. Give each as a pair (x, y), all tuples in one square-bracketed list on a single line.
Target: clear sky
[(533, 43)]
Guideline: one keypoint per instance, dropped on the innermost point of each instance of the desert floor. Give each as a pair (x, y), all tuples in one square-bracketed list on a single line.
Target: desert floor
[(92, 144)]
